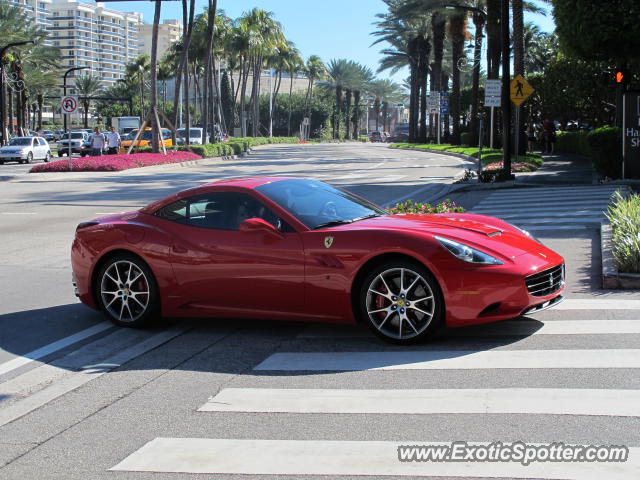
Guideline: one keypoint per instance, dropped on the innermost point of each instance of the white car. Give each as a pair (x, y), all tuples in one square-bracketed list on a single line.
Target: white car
[(196, 136), (25, 150)]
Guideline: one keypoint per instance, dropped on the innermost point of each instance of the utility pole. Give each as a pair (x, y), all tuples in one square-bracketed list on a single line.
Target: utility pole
[(506, 80)]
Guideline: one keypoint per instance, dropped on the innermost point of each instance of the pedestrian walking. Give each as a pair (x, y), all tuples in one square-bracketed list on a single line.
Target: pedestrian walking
[(113, 142), (531, 136), (549, 135), (98, 143)]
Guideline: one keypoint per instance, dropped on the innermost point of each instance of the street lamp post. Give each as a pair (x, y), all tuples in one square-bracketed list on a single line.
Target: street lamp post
[(3, 141), (64, 90)]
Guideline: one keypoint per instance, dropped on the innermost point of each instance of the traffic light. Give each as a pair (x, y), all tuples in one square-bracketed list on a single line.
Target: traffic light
[(622, 76)]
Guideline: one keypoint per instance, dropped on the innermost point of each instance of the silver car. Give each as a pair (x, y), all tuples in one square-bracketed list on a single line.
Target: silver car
[(25, 150)]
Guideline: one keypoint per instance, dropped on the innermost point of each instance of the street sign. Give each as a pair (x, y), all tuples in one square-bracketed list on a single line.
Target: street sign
[(631, 134), (433, 102), (492, 92), (444, 103), (69, 104), (520, 90)]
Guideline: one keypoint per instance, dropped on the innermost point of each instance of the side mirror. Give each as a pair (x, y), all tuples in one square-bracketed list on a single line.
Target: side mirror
[(256, 224)]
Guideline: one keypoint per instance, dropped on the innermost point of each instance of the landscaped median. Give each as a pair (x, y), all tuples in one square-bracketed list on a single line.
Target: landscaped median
[(144, 158), (491, 158), (114, 163), (621, 243)]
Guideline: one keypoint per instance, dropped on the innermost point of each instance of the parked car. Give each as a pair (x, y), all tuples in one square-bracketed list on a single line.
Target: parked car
[(196, 136), (48, 135), (399, 137), (78, 138), (298, 249), (376, 137), (58, 135), (145, 139), (25, 150)]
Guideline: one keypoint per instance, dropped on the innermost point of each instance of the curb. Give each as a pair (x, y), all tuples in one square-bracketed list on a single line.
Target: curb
[(611, 278)]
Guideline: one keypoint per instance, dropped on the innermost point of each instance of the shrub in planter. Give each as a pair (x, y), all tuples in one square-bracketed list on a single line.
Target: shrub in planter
[(606, 150), (572, 142), (624, 215), (418, 208)]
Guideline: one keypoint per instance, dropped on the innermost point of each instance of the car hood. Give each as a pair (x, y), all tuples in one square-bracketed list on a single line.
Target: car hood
[(481, 231)]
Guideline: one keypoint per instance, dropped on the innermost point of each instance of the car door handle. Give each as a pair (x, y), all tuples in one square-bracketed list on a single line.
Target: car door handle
[(179, 249)]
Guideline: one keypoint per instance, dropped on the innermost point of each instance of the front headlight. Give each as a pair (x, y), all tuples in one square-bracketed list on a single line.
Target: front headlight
[(466, 253)]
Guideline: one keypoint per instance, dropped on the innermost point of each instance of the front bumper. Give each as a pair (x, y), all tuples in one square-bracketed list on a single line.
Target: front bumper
[(13, 156)]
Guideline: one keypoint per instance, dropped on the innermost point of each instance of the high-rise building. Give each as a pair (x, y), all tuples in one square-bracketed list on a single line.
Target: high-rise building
[(37, 9), (89, 34), (168, 32)]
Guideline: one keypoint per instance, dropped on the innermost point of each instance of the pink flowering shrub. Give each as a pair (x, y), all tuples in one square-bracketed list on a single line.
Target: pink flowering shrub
[(425, 208), (515, 167), (112, 163)]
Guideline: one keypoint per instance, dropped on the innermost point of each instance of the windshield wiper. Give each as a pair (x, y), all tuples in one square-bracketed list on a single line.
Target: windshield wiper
[(332, 223)]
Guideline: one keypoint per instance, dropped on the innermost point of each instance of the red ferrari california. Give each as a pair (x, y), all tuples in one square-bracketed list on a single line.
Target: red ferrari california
[(298, 249)]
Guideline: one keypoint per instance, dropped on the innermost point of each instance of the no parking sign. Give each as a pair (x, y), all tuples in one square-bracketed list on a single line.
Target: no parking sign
[(69, 104)]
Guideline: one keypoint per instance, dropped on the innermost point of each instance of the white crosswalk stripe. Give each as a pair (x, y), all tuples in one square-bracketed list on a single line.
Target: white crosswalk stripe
[(379, 396), (552, 208)]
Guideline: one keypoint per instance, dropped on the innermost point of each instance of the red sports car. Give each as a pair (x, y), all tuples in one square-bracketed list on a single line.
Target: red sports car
[(298, 249)]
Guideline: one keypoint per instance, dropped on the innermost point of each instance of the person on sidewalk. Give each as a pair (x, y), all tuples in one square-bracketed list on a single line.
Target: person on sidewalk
[(549, 135), (113, 142), (531, 136), (97, 143)]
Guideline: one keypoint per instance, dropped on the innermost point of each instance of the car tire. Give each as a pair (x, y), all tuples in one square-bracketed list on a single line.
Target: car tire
[(127, 292), (29, 158), (47, 157), (401, 302), (60, 153)]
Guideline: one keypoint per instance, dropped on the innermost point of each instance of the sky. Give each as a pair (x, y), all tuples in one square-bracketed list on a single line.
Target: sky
[(331, 29)]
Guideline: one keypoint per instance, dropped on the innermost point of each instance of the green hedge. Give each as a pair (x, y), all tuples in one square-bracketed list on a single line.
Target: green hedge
[(235, 146), (572, 142), (624, 216), (605, 150)]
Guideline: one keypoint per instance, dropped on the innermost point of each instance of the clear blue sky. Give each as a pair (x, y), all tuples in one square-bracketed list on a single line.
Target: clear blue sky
[(328, 28)]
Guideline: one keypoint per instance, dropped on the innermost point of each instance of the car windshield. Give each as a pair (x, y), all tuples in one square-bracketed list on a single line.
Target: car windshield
[(20, 141), (318, 205), (182, 132), (146, 135)]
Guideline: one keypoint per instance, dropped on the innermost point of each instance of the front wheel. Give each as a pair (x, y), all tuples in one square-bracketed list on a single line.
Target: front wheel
[(29, 158), (401, 302), (127, 291)]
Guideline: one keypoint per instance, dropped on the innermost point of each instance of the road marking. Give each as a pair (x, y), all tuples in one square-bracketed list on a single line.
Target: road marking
[(515, 327), (451, 360), (75, 380), (537, 401), (333, 458), (53, 347), (18, 213), (597, 304)]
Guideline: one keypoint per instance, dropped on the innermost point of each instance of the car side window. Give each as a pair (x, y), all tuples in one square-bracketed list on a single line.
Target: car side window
[(42, 141), (174, 212), (227, 210)]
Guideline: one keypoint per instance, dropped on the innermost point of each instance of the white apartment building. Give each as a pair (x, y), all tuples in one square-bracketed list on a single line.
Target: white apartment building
[(169, 31), (89, 34), (37, 9)]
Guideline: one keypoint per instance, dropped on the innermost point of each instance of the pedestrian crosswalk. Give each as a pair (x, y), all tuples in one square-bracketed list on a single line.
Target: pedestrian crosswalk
[(439, 393), (549, 208)]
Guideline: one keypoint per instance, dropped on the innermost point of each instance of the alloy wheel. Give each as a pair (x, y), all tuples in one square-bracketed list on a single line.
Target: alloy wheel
[(400, 303), (125, 291)]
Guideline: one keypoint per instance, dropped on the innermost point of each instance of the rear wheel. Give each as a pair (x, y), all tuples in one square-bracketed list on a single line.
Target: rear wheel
[(401, 302), (60, 154), (48, 157), (29, 158), (127, 291)]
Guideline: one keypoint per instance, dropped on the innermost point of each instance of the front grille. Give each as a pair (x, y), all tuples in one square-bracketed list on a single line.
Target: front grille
[(546, 282)]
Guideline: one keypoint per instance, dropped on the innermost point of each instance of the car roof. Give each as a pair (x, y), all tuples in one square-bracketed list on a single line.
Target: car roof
[(243, 182)]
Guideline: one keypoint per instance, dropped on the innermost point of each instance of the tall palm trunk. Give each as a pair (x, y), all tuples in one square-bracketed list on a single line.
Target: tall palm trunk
[(438, 24), (423, 69), (290, 93), (208, 91), (183, 65), (40, 100), (347, 116), (243, 93), (356, 115), (457, 29), (336, 113), (414, 79), (255, 96), (493, 48), (518, 68), (478, 21)]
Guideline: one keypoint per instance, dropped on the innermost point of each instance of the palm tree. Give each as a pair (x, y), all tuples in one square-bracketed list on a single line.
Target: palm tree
[(87, 86), (360, 84), (339, 74), (314, 70), (383, 92), (135, 72)]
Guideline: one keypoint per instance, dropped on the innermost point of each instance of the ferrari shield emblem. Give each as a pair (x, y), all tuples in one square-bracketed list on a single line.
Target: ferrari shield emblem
[(328, 241)]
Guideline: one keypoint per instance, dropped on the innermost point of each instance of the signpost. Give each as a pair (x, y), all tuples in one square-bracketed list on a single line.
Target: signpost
[(492, 92), (519, 91), (69, 105), (631, 134), (433, 106)]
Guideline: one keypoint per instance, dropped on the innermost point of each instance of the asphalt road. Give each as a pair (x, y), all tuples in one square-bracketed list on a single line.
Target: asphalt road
[(79, 397)]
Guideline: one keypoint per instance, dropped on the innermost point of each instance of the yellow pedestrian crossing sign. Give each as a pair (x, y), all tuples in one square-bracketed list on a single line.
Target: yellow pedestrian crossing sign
[(519, 90)]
